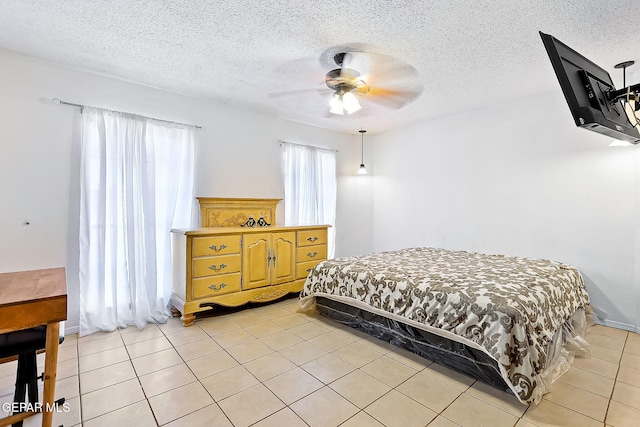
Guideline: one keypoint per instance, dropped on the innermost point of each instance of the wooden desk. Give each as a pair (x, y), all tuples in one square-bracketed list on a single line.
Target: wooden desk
[(29, 299)]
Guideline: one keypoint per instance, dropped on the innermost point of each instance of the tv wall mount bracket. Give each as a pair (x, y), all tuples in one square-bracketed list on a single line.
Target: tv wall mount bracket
[(632, 90)]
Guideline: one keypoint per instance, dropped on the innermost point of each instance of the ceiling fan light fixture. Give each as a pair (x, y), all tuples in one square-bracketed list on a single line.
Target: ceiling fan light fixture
[(336, 104), (350, 103), (344, 102)]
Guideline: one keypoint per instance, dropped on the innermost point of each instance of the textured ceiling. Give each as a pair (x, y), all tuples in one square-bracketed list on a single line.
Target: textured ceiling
[(271, 55)]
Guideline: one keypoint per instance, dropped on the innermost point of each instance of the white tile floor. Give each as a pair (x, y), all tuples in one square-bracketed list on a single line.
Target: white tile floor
[(271, 366)]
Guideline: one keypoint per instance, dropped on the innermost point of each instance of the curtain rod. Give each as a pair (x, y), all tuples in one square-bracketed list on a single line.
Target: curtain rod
[(61, 102), (305, 145)]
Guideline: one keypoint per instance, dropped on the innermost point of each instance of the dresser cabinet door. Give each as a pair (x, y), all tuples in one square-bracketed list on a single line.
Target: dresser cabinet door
[(284, 265), (256, 261)]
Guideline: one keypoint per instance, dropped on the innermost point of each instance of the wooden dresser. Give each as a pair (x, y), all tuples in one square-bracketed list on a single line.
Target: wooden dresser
[(232, 264)]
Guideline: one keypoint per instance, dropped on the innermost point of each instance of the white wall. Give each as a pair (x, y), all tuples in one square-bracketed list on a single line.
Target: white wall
[(238, 156), (517, 179)]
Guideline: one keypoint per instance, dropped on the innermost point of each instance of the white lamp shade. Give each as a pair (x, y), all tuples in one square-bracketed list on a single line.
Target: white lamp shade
[(336, 104), (362, 170), (350, 103)]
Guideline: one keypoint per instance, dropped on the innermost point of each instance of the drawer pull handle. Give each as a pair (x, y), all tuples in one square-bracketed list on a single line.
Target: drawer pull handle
[(312, 239), (217, 268), (219, 287), (216, 248), (312, 255), (309, 270)]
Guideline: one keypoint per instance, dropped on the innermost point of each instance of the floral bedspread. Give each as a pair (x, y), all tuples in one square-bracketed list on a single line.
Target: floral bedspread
[(509, 307)]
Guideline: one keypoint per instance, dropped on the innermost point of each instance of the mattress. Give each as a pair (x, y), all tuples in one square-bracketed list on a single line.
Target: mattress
[(529, 315)]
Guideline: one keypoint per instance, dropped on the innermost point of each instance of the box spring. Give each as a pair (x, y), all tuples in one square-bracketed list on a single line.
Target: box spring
[(441, 350)]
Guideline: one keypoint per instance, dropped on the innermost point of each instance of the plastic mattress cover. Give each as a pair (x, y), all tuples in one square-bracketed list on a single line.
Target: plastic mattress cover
[(568, 342), (530, 316)]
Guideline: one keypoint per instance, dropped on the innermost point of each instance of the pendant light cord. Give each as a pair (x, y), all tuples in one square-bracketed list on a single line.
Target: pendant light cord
[(362, 132)]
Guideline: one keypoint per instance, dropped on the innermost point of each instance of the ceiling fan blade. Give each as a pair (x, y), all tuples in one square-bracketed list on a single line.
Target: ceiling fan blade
[(362, 90), (290, 93), (324, 91), (299, 74), (311, 102), (392, 98), (381, 67), (357, 61), (382, 92), (392, 75), (387, 103)]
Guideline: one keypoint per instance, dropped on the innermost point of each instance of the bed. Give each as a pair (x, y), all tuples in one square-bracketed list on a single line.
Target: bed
[(513, 322)]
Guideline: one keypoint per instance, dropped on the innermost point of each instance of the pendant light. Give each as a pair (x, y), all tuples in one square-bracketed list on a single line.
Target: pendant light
[(362, 170)]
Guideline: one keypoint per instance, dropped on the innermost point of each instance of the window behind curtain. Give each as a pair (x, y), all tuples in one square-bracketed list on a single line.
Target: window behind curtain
[(136, 184), (310, 188)]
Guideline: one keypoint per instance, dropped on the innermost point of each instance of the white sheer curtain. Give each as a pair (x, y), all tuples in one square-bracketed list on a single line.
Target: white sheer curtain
[(310, 188), (136, 184)]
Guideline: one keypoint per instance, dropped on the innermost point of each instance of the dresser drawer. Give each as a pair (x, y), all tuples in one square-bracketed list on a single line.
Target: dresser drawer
[(210, 266), (312, 237), (312, 253), (216, 285), (215, 245), (303, 268)]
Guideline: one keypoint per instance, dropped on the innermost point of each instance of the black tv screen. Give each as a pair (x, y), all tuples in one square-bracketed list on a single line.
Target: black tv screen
[(585, 86)]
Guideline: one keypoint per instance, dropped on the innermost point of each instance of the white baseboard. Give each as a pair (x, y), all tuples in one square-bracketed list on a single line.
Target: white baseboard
[(618, 325), (70, 330)]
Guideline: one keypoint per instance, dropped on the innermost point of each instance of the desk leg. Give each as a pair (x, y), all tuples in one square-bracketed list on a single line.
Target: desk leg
[(50, 369)]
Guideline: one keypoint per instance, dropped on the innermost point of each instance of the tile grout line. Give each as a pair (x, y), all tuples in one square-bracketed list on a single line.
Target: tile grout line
[(604, 422), (296, 366), (262, 382), (144, 393), (79, 383), (615, 380), (198, 380), (230, 355), (80, 388), (259, 381)]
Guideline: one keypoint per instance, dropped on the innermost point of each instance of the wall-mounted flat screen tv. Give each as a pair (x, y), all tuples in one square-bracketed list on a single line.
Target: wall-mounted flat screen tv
[(588, 90)]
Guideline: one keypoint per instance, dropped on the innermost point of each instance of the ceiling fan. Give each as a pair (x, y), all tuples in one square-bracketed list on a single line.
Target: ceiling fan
[(345, 82), (357, 80)]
